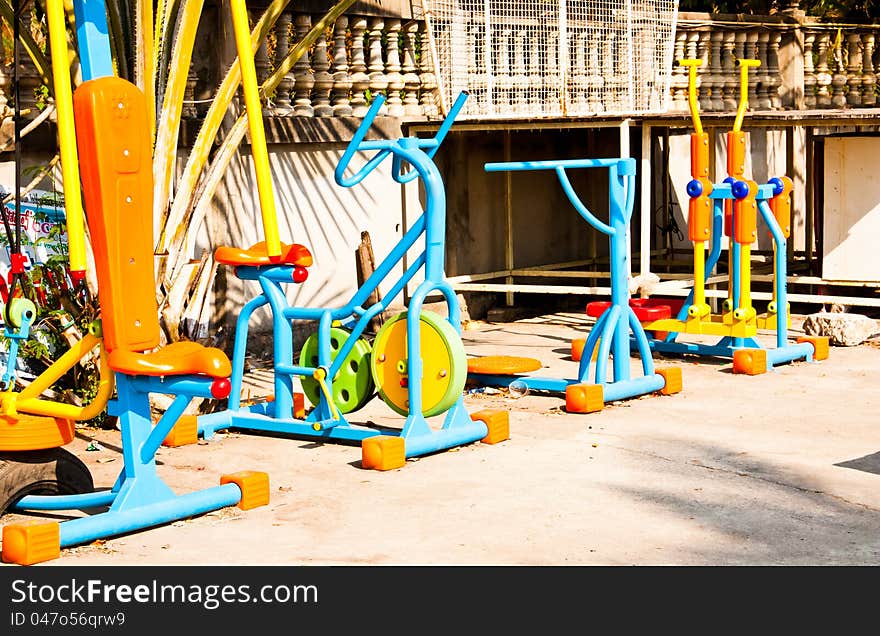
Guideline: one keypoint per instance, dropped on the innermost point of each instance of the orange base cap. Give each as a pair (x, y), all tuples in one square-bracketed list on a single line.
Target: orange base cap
[(29, 543), (750, 361), (584, 398), (254, 487), (299, 406), (820, 346), (672, 375), (185, 431), (383, 452), (498, 423)]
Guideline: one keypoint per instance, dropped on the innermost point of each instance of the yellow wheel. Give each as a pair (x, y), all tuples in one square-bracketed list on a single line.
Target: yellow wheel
[(444, 363)]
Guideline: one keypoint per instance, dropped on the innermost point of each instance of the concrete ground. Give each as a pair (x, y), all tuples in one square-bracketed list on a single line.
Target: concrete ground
[(781, 468)]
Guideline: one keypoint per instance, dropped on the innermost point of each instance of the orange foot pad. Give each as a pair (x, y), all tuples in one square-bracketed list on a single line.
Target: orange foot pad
[(750, 361), (672, 375), (185, 431), (254, 487), (502, 365), (820, 346), (383, 452), (498, 423), (29, 543), (584, 398)]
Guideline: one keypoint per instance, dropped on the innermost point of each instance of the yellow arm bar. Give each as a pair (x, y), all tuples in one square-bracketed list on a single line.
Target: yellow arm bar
[(28, 402), (255, 125), (743, 91), (692, 65), (73, 208)]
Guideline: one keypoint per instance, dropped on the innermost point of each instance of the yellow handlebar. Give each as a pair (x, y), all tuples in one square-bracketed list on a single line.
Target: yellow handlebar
[(692, 65), (744, 66), (73, 208)]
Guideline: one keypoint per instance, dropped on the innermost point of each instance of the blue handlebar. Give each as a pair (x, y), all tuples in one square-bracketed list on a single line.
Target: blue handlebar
[(386, 147)]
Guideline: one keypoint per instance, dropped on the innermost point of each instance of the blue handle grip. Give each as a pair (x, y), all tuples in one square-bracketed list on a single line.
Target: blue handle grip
[(434, 143), (354, 146), (386, 147)]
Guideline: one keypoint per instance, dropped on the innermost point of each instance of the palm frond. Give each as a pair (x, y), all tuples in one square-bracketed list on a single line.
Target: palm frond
[(168, 129), (207, 134)]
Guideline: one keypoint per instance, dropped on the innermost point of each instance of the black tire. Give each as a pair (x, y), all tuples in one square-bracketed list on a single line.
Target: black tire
[(54, 471)]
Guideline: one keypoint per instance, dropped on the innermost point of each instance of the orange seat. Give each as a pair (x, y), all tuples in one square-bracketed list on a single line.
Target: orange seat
[(177, 358), (256, 255)]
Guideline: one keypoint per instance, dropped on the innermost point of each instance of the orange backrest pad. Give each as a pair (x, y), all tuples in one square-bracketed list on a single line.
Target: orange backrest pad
[(112, 134)]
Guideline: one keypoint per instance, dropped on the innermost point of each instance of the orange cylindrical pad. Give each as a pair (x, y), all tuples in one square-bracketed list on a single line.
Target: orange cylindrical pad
[(780, 205), (700, 155), (736, 154), (700, 214), (746, 213)]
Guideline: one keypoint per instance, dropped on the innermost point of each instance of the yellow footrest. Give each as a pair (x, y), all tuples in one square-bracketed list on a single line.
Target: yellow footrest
[(254, 487), (584, 398), (710, 326), (498, 423), (383, 452), (29, 543)]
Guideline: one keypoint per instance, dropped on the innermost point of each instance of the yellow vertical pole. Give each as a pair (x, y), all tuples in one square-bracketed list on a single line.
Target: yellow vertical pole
[(699, 245), (745, 262), (73, 207), (255, 126)]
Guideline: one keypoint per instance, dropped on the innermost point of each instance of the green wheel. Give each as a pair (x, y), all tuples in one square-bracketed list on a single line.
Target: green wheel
[(353, 385), (18, 309), (444, 363)]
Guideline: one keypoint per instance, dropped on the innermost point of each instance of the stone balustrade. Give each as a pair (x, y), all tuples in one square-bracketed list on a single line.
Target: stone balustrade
[(360, 56), (719, 45), (841, 66)]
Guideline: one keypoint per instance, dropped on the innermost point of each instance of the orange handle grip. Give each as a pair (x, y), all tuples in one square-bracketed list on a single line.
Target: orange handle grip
[(736, 154), (700, 155), (780, 205), (745, 211), (700, 214)]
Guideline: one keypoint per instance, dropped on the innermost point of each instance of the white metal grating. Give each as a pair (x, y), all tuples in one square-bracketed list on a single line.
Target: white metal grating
[(550, 58)]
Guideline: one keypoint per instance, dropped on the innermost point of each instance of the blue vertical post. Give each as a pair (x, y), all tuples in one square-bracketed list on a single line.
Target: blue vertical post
[(93, 39)]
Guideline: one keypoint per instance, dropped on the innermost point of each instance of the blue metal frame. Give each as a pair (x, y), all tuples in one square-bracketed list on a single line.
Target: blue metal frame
[(784, 351), (611, 332), (139, 498), (321, 422)]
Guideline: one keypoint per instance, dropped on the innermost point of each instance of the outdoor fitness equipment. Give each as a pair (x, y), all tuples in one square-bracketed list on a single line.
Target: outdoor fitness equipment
[(114, 153), (610, 335), (417, 360), (33, 429), (731, 208)]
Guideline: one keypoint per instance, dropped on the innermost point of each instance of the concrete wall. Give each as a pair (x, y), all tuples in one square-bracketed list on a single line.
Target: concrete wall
[(546, 228), (313, 211)]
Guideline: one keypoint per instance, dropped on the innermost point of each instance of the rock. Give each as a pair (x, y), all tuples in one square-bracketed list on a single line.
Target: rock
[(842, 329)]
